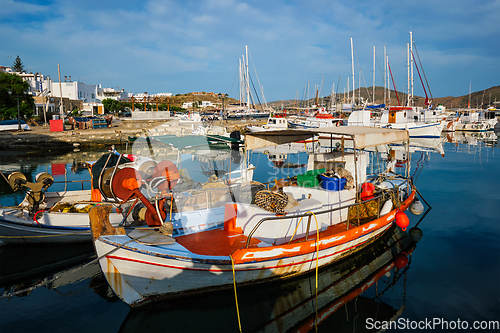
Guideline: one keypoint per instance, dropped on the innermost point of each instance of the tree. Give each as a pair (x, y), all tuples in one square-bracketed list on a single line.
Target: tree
[(8, 102), (111, 105), (18, 65)]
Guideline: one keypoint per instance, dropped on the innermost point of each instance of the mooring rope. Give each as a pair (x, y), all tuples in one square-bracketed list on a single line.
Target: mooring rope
[(235, 294)]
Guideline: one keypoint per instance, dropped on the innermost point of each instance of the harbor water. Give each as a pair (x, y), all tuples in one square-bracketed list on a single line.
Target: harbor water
[(449, 280)]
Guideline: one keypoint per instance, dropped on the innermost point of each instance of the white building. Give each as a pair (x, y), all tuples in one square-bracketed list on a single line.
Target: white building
[(187, 105), (204, 104), (117, 95)]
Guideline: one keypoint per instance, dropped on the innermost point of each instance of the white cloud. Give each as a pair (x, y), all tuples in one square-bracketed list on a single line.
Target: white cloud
[(290, 42)]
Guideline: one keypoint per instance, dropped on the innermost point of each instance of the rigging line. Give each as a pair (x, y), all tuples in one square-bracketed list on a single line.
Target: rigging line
[(393, 83), (367, 92), (236, 74), (253, 86), (423, 86), (418, 57), (260, 86), (379, 69)]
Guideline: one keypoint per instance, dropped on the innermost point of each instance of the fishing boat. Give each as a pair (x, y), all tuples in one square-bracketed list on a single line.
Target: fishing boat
[(471, 120), (262, 235), (296, 304), (397, 117), (320, 120), (274, 122), (46, 216), (14, 125), (60, 216)]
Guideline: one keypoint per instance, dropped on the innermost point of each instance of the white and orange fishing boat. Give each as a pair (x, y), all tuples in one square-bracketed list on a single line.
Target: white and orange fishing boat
[(262, 236)]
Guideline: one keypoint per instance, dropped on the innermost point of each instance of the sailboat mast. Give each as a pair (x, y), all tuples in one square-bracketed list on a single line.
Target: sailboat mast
[(247, 77), (470, 90), (385, 76), (352, 65), (388, 82), (241, 82), (411, 65), (408, 68)]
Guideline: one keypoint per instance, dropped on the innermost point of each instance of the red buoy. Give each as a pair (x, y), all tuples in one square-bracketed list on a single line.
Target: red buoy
[(367, 191), (402, 220), (401, 261)]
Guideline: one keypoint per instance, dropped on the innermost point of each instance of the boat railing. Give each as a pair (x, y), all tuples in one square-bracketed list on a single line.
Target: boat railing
[(66, 182), (384, 194)]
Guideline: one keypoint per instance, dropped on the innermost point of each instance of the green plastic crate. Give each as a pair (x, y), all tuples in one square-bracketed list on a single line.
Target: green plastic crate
[(310, 178), (315, 172)]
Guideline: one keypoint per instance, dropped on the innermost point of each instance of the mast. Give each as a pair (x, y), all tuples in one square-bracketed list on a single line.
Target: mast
[(332, 98), (241, 81), (385, 76), (411, 65), (61, 110), (352, 65), (247, 77), (373, 85), (388, 82), (470, 89), (408, 68), (348, 93)]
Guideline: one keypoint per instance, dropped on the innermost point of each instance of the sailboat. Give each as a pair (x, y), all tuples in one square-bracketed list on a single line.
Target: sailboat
[(418, 122), (245, 110)]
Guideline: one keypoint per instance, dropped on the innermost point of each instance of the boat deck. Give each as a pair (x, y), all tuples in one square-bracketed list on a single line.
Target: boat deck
[(219, 242)]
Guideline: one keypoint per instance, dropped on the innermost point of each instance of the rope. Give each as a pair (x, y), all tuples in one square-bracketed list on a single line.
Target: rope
[(235, 294), (317, 267)]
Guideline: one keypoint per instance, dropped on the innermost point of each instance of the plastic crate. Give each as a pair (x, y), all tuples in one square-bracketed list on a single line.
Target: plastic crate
[(310, 178), (99, 123), (332, 183), (315, 172)]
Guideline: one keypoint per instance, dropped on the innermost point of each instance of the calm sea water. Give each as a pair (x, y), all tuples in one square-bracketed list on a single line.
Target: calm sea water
[(451, 278)]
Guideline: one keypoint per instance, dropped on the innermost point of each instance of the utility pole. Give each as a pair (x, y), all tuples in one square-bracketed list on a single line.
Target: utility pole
[(61, 109)]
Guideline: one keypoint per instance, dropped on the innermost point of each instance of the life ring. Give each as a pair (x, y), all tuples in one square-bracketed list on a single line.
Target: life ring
[(34, 216)]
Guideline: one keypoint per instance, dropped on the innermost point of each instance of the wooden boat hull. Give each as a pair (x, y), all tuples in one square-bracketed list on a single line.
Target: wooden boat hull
[(140, 273), (292, 304)]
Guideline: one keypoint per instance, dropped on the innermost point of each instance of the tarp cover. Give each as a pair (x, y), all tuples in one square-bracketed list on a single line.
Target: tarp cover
[(362, 136)]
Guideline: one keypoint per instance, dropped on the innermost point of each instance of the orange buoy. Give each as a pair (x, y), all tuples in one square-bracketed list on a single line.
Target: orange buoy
[(402, 220)]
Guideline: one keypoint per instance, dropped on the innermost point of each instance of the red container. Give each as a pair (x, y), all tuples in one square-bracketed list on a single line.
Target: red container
[(56, 125)]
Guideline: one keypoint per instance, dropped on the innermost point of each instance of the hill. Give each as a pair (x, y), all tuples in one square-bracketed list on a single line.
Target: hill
[(479, 99), (179, 99)]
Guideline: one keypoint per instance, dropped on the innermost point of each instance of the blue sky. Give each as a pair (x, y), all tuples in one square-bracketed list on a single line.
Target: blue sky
[(182, 46)]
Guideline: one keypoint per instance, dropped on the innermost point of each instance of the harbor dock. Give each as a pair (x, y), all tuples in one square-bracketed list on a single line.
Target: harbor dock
[(42, 138)]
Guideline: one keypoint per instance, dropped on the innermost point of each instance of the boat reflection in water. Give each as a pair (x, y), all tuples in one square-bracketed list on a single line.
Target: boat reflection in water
[(29, 267), (342, 301), (489, 138)]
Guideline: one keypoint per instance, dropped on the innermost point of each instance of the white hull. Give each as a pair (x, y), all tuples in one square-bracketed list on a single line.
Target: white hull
[(16, 227), (171, 274), (415, 130), (139, 273), (481, 126)]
